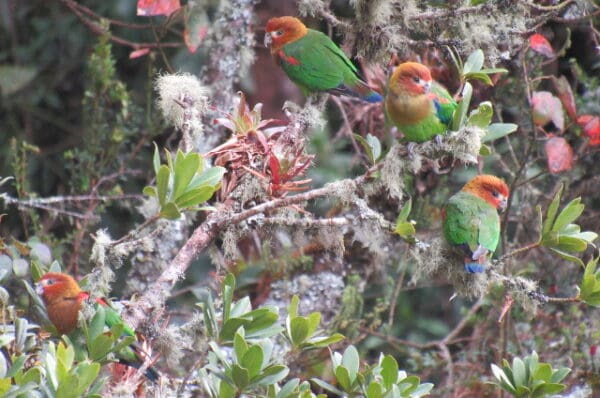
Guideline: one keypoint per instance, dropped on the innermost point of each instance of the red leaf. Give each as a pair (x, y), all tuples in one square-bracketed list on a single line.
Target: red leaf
[(275, 169), (139, 53), (147, 8), (563, 88), (591, 127), (559, 155), (546, 108), (541, 45)]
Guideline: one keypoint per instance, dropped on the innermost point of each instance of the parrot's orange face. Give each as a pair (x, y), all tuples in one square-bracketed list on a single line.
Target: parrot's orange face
[(63, 297), (412, 78), (54, 286), (283, 30), (491, 189)]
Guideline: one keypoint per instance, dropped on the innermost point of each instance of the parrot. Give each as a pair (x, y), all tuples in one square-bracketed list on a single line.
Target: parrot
[(64, 298), (470, 219), (314, 62), (417, 105)]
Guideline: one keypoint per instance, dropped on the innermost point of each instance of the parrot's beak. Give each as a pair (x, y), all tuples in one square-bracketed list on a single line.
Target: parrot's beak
[(39, 289), (268, 40), (427, 86), (502, 205)]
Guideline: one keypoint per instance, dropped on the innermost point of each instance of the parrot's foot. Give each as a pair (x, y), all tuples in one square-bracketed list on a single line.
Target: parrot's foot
[(474, 268)]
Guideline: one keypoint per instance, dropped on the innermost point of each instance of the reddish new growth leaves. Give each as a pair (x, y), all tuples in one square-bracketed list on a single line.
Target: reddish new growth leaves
[(559, 155), (547, 108), (266, 153), (147, 8), (591, 127), (541, 45)]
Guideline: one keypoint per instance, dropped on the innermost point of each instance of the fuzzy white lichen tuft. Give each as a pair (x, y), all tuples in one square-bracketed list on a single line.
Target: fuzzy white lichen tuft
[(392, 172), (465, 144), (178, 88)]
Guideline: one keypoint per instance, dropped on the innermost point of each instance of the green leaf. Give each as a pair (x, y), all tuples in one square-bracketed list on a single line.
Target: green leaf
[(150, 191), (293, 307), (162, 183), (271, 375), (86, 374), (240, 346), (389, 371), (343, 378), (170, 211), (474, 62), (240, 376), (186, 166), (567, 256), (97, 324), (460, 114), (405, 211), (570, 213), (299, 330), (227, 292), (551, 212), (321, 342), (485, 150), (571, 244), (483, 77), (519, 372), (351, 361), (100, 347), (194, 197), (405, 229), (543, 372), (211, 177), (546, 389), (559, 375), (156, 159), (326, 386), (505, 382), (422, 390), (482, 116), (491, 71), (313, 320), (374, 390), (498, 130), (366, 146), (253, 360), (226, 390)]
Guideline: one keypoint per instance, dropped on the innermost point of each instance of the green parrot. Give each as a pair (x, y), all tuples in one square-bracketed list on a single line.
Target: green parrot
[(417, 105), (313, 61), (471, 222)]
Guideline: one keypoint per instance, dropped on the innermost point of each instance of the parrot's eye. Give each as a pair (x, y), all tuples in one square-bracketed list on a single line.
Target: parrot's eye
[(49, 282), (277, 33), (495, 194), (416, 79)]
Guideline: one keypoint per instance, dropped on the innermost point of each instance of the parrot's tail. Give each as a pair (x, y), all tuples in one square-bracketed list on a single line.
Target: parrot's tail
[(474, 268), (359, 90)]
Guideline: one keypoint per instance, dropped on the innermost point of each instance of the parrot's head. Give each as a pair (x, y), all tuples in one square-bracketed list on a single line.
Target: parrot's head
[(283, 30), (54, 286), (489, 188), (411, 78)]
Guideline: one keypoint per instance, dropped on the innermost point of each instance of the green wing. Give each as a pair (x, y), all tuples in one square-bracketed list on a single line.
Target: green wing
[(443, 102), (471, 222), (321, 65), (113, 318)]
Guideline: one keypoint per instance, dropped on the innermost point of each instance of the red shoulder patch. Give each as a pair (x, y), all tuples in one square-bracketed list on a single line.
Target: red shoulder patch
[(285, 58)]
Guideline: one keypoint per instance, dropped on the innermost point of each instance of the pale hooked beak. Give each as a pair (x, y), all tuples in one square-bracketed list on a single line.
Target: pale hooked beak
[(427, 86), (39, 289), (502, 205), (268, 39)]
